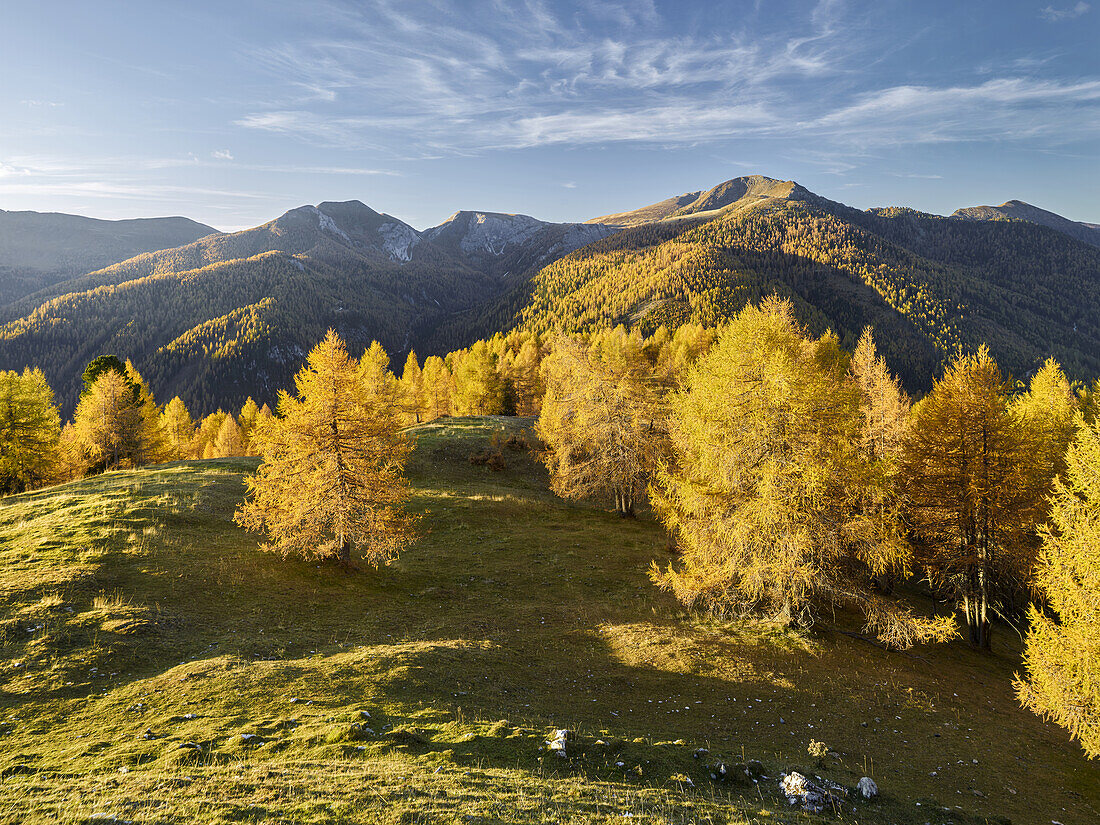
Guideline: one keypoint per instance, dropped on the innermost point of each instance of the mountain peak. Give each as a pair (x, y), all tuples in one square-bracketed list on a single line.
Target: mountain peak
[(1023, 211), (744, 190)]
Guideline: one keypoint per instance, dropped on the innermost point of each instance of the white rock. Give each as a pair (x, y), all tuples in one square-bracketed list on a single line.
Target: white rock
[(867, 787)]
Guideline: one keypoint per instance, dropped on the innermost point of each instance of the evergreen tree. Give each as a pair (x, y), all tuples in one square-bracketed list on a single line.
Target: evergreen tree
[(30, 431), (766, 494), (332, 477), (1062, 654), (975, 489)]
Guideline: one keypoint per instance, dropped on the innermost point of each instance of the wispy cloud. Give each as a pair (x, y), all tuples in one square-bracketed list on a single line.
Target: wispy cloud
[(222, 154), (443, 80), (438, 78), (1053, 15)]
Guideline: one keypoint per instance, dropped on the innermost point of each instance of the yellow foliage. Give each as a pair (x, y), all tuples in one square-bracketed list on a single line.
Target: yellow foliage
[(332, 476)]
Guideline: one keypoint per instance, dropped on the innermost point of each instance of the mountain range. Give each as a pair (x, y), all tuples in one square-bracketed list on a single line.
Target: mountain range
[(218, 317), (38, 249)]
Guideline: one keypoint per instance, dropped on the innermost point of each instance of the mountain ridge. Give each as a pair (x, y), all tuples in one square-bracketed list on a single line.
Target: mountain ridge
[(38, 249), (232, 314), (1023, 211)]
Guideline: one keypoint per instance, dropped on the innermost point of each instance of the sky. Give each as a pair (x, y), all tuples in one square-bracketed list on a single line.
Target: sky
[(232, 112)]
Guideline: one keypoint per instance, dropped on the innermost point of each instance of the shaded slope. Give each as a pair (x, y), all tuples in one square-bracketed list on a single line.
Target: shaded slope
[(505, 244), (40, 249)]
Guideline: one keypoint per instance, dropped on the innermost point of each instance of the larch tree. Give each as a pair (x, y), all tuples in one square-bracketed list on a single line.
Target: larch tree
[(602, 423), (30, 431), (478, 388), (527, 380), (246, 421), (107, 422), (1048, 409), (884, 411), (378, 381), (436, 379), (1062, 651), (332, 481), (203, 445), (974, 487), (412, 389), (179, 429), (148, 445), (228, 442), (765, 495)]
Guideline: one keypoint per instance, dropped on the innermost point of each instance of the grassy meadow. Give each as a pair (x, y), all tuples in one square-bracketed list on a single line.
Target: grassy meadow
[(157, 668)]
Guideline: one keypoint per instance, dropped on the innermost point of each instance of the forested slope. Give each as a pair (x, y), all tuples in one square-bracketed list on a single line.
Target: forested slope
[(928, 284), (233, 315)]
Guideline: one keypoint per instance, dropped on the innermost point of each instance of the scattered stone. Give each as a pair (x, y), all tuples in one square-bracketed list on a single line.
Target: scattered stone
[(148, 734), (725, 772), (557, 741), (867, 787), (251, 739), (190, 716), (699, 753), (756, 770)]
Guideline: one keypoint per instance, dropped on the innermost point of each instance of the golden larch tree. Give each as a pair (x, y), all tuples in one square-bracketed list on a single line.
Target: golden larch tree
[(332, 480), (30, 431), (246, 420), (107, 422), (179, 429), (1062, 653), (228, 441), (974, 482), (766, 494), (602, 423)]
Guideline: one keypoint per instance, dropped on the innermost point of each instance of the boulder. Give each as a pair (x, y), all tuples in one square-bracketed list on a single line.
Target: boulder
[(813, 798), (558, 741), (867, 787)]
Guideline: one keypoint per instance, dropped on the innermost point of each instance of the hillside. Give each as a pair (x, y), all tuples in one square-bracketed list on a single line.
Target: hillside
[(928, 284), (158, 668), (232, 315), (38, 250), (1020, 211)]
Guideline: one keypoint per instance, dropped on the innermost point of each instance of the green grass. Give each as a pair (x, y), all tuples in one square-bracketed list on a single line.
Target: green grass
[(130, 602)]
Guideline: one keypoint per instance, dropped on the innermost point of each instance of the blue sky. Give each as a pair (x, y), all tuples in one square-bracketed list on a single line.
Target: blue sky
[(233, 112)]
